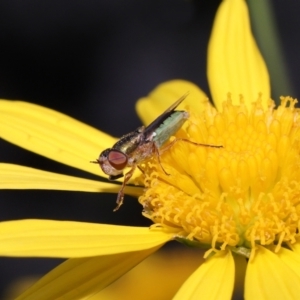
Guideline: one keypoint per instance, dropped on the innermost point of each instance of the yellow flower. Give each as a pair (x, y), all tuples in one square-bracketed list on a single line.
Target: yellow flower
[(241, 199)]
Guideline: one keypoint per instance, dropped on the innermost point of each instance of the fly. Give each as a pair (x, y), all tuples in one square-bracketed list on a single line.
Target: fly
[(140, 144)]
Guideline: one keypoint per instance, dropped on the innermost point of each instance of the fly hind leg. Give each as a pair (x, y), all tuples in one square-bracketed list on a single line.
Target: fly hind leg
[(190, 142)]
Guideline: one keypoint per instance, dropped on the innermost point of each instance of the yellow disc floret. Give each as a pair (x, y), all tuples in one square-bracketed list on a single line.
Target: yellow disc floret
[(240, 195)]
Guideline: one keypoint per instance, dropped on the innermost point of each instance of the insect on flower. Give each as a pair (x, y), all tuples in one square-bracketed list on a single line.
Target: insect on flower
[(140, 144)]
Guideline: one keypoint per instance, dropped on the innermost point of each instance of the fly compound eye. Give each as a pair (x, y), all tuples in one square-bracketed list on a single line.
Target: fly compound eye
[(117, 159)]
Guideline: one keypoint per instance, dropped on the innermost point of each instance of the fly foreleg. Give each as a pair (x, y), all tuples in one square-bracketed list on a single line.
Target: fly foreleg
[(120, 196)]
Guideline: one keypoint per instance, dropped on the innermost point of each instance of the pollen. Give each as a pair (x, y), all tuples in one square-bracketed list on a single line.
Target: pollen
[(243, 194)]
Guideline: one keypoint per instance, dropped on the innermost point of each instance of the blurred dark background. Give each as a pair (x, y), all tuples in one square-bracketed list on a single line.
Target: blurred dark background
[(92, 60)]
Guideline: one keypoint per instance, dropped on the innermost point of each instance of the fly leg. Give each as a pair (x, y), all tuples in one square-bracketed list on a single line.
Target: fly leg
[(120, 196), (158, 158), (141, 169), (155, 149), (190, 142)]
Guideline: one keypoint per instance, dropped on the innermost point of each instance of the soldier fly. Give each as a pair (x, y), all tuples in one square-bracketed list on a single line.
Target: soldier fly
[(140, 144)]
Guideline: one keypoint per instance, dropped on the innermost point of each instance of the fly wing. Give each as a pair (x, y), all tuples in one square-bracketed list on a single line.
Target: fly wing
[(160, 119)]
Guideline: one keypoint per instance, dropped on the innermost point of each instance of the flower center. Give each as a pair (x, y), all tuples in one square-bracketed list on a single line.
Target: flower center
[(243, 194)]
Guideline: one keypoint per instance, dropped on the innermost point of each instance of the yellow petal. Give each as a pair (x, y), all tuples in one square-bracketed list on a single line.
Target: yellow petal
[(165, 94), (158, 277), (80, 278), (52, 134), (47, 238), (212, 280), (19, 177), (269, 277), (235, 64), (291, 259)]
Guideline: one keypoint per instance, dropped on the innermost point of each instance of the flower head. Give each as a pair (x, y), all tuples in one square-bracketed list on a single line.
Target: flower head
[(241, 195), (241, 198)]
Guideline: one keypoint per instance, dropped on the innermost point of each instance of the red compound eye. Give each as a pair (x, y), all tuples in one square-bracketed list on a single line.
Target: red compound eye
[(117, 159)]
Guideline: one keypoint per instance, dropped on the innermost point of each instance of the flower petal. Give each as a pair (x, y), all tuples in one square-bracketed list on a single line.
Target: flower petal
[(48, 238), (79, 278), (235, 64), (165, 270), (212, 280), (165, 94), (292, 259), (20, 177), (52, 134), (269, 277)]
